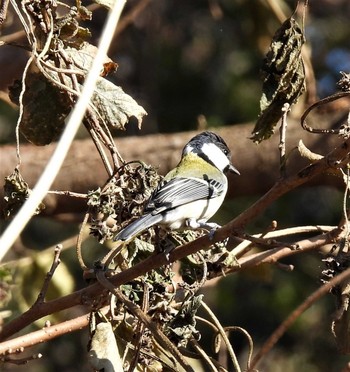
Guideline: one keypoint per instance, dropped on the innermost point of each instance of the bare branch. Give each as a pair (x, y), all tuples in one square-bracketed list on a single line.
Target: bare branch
[(45, 334), (334, 159), (20, 361), (222, 333), (277, 334), (275, 254), (56, 261), (76, 175)]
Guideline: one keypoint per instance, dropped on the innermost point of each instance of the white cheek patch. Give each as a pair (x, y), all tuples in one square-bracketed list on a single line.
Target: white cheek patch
[(188, 148), (215, 155)]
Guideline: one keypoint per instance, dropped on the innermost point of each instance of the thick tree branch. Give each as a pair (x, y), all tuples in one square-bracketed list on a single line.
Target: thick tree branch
[(83, 170), (87, 295), (90, 294)]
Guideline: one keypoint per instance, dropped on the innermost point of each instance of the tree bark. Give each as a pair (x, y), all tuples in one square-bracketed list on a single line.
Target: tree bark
[(83, 170)]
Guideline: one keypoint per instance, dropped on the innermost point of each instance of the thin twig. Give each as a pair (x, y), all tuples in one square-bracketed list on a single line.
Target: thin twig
[(109, 257), (130, 16), (265, 241), (317, 104), (98, 135), (60, 70), (277, 10), (241, 248), (21, 108), (140, 330), (248, 337), (204, 355), (20, 361), (27, 30), (56, 261), (246, 245), (282, 144), (278, 333), (68, 193), (80, 241), (47, 333), (137, 312), (205, 271), (208, 322), (224, 337), (48, 41), (47, 177), (275, 254), (345, 211), (165, 364)]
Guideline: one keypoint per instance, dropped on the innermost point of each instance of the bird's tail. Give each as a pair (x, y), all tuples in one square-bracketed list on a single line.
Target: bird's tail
[(138, 226)]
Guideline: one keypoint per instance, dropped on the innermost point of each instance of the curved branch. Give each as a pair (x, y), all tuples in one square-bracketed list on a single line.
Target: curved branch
[(276, 254), (85, 295), (281, 187), (276, 335)]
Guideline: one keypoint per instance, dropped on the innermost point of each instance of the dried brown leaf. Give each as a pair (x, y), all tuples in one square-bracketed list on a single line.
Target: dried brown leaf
[(283, 77)]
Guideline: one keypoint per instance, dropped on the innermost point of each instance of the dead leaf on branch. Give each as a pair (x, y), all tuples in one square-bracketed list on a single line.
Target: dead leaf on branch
[(283, 77), (82, 58), (115, 106), (105, 3), (48, 100), (45, 108), (104, 353), (16, 192), (335, 264)]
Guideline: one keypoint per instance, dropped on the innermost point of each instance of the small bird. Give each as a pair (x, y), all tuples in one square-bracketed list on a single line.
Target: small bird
[(192, 192)]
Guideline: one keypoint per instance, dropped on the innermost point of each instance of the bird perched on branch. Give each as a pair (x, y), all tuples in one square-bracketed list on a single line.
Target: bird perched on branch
[(192, 192)]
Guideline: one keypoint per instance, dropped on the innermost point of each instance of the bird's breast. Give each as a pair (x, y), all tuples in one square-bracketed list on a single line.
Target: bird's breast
[(200, 210)]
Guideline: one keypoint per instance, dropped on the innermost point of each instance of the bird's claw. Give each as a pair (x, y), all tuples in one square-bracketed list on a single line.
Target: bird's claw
[(213, 228)]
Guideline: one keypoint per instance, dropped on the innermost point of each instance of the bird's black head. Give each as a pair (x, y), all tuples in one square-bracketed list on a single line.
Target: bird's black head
[(213, 149)]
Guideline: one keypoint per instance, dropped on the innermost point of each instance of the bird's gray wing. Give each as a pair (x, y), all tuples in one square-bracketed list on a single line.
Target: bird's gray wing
[(179, 191)]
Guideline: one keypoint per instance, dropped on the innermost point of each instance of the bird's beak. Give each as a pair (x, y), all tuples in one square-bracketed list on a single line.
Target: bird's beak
[(232, 169)]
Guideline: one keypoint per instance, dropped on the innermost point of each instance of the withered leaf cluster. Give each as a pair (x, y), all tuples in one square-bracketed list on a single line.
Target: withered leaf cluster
[(62, 58), (283, 77)]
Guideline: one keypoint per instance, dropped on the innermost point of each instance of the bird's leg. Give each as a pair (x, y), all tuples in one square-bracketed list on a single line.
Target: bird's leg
[(210, 226)]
